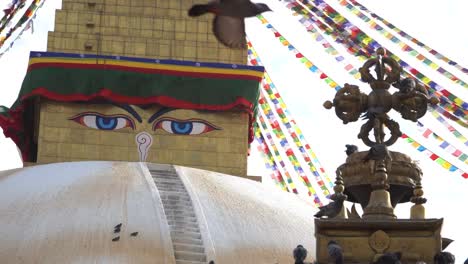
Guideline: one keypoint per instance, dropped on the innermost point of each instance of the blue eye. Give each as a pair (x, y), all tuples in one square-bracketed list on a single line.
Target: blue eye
[(106, 123), (103, 122), (184, 127), (180, 127)]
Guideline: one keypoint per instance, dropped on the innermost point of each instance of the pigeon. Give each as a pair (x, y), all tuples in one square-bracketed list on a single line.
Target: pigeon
[(353, 214), (134, 234), (332, 209), (444, 257), (117, 228), (446, 242), (378, 152), (406, 85), (299, 254), (350, 149), (335, 252), (228, 24), (389, 258), (116, 239)]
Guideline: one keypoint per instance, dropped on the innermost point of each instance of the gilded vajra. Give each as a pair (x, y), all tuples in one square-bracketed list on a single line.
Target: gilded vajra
[(410, 100)]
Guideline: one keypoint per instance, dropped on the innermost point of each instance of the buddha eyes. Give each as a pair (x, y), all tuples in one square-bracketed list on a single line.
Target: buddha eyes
[(184, 127), (170, 125), (103, 122)]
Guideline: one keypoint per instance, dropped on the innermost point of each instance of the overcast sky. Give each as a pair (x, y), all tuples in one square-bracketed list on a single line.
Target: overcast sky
[(441, 25)]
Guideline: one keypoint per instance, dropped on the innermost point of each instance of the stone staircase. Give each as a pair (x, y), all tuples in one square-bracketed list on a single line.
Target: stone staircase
[(183, 225)]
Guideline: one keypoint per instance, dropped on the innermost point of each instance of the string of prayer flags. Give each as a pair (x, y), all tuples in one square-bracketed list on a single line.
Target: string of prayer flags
[(351, 35), (405, 35), (266, 134), (406, 48), (445, 145), (270, 162), (283, 141), (307, 62), (28, 16), (450, 128), (292, 49), (293, 129), (434, 157)]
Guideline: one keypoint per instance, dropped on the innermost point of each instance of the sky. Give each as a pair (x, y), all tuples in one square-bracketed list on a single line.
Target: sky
[(438, 25)]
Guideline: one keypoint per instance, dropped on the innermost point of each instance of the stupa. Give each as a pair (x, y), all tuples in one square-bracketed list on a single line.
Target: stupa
[(134, 129)]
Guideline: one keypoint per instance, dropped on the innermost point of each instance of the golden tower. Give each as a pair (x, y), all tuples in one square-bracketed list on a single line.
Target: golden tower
[(145, 29)]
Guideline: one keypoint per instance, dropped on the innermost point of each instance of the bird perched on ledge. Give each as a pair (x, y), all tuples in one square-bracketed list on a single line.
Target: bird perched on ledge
[(299, 254), (333, 208), (350, 149), (228, 24)]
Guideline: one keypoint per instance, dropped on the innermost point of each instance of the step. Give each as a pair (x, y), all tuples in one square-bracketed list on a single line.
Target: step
[(188, 227), (185, 240), (177, 203), (178, 207), (192, 256), (166, 184), (174, 192), (189, 262), (168, 180), (179, 212), (175, 197), (181, 218), (168, 176), (171, 189), (165, 170), (183, 224), (183, 228), (174, 204), (164, 174), (188, 247), (186, 234)]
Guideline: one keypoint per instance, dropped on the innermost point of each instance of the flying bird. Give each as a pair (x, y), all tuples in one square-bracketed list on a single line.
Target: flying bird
[(332, 209), (299, 254), (116, 239), (335, 252), (228, 24), (134, 234)]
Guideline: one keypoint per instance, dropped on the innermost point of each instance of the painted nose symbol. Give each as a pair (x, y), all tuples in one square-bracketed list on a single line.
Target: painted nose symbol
[(143, 141)]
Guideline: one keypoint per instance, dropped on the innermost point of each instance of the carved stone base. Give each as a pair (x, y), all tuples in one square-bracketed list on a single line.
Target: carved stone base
[(364, 240)]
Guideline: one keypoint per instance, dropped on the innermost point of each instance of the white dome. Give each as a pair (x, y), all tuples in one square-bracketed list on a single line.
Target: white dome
[(66, 213)]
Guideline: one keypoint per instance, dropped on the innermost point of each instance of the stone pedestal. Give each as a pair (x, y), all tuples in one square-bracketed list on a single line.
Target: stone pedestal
[(364, 240)]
